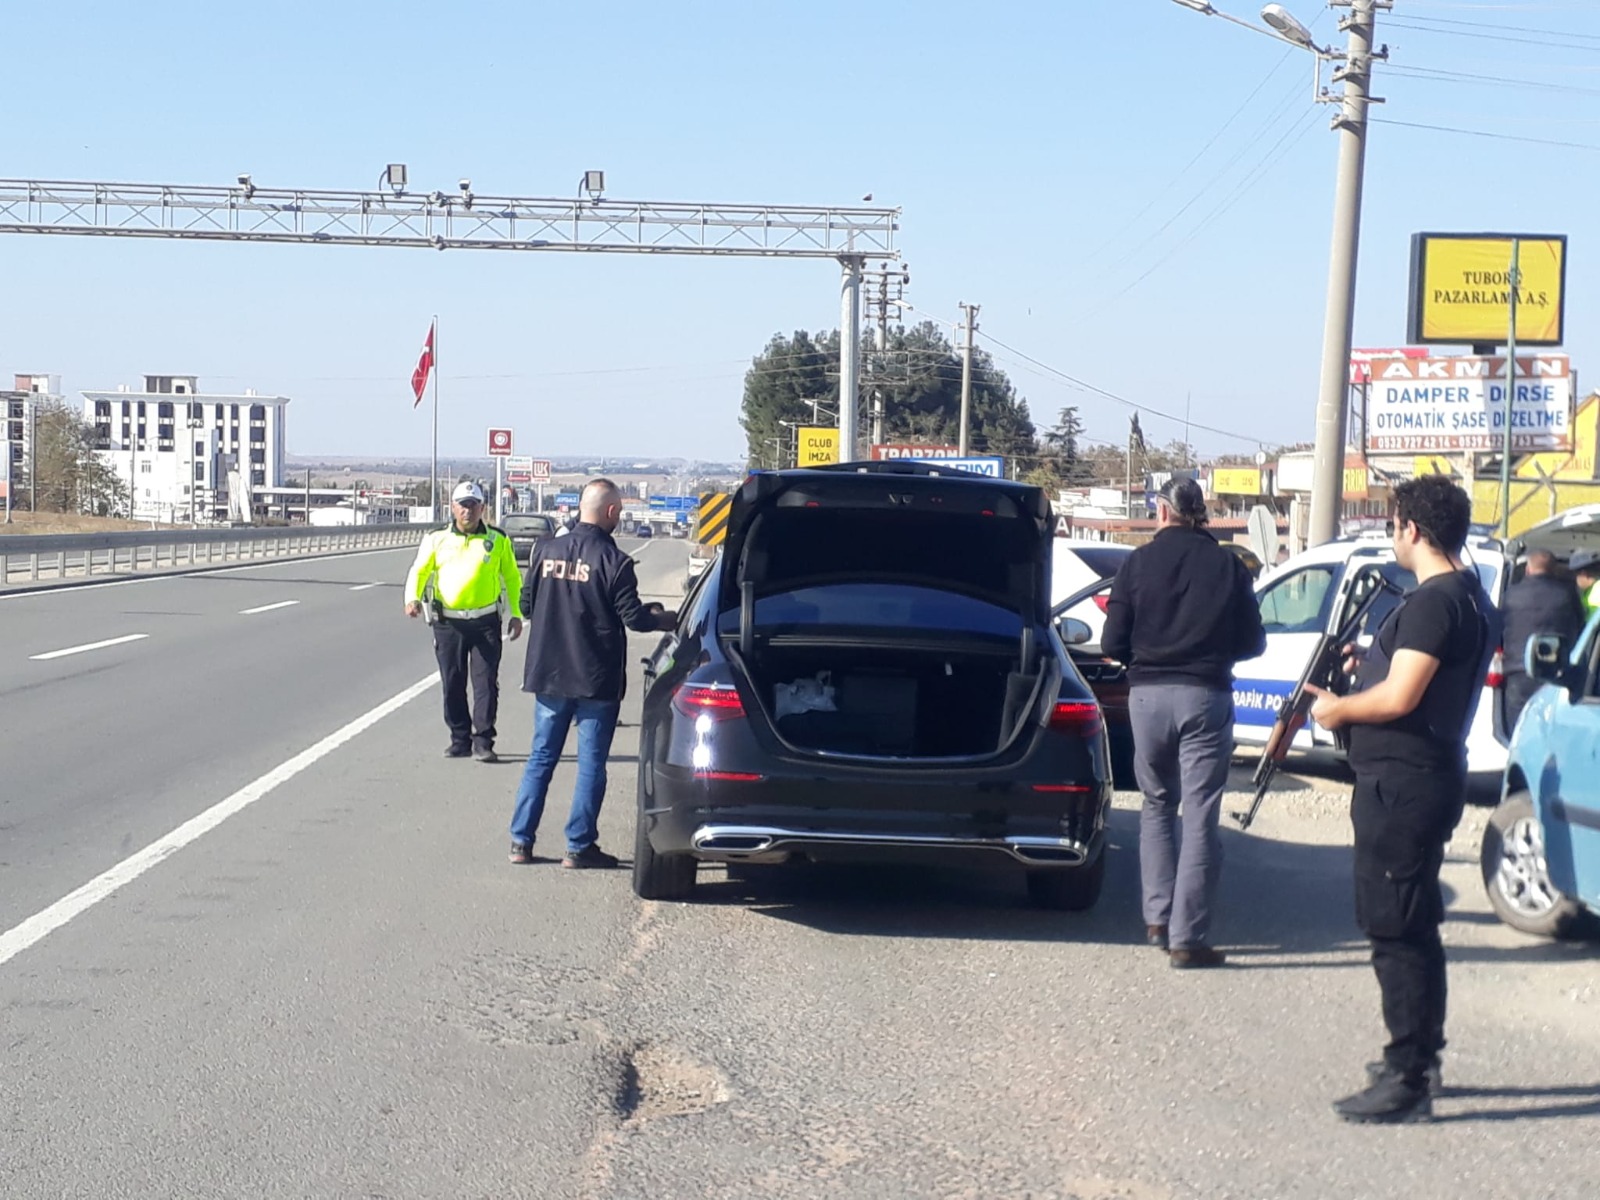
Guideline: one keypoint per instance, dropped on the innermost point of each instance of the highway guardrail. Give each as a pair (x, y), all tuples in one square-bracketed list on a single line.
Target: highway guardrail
[(54, 557)]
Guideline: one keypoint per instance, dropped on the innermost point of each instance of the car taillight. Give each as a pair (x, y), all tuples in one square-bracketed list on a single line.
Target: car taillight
[(1497, 670), (720, 702), (1076, 716), (1102, 601)]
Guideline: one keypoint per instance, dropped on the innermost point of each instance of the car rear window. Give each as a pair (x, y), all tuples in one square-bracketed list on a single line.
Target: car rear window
[(877, 605), (1104, 563), (527, 524)]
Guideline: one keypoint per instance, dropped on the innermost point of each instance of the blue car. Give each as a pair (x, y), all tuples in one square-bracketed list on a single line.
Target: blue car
[(1541, 850)]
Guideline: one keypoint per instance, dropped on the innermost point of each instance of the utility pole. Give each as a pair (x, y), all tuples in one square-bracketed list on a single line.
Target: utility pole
[(33, 454), (1511, 394), (970, 312), (850, 359), (1327, 483)]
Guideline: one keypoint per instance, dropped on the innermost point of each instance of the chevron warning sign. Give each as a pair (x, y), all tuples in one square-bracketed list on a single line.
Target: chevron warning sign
[(711, 527)]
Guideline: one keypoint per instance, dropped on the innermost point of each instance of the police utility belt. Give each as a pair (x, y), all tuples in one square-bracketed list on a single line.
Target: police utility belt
[(466, 614)]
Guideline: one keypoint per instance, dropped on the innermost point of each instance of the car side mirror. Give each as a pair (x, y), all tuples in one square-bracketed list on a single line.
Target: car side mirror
[(1545, 659), (1075, 632)]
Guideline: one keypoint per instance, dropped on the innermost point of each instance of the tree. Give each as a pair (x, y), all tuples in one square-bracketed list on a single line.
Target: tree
[(1064, 459), (65, 473), (917, 379)]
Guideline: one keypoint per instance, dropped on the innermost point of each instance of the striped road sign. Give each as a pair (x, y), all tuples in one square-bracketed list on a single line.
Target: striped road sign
[(712, 528)]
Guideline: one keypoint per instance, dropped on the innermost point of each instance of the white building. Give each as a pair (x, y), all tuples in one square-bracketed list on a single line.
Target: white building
[(16, 429), (187, 451)]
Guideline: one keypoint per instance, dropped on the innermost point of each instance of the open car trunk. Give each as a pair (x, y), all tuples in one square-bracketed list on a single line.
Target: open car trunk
[(894, 700)]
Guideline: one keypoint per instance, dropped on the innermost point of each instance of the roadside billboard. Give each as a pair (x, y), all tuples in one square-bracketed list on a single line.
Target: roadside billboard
[(1461, 289), (1236, 481), (888, 450), (816, 446), (1459, 404), (993, 467)]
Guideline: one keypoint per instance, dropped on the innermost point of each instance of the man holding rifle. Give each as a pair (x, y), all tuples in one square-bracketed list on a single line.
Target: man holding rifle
[(1407, 721)]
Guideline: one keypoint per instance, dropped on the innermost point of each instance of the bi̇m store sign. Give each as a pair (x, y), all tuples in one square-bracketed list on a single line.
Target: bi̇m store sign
[(1459, 404)]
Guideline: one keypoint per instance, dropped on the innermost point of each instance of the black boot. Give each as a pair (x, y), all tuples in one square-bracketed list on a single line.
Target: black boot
[(1390, 1101), (1433, 1077)]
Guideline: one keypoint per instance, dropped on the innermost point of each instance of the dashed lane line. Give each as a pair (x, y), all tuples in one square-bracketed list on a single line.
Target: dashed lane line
[(261, 608), (116, 641)]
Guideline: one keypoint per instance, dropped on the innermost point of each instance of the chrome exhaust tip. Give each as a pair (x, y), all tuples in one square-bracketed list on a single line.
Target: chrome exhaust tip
[(1050, 853), (738, 844)]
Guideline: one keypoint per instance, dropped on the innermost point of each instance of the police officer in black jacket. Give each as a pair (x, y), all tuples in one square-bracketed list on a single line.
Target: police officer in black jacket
[(1416, 694), (580, 596), (1181, 613)]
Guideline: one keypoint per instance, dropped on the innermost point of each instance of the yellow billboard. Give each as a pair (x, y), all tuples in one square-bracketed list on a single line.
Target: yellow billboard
[(1235, 481), (1461, 289), (817, 446)]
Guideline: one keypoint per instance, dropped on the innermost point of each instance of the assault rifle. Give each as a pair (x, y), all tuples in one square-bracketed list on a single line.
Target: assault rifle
[(1325, 670)]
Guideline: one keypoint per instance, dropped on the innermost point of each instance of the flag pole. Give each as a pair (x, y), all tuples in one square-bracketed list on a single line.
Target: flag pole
[(433, 470)]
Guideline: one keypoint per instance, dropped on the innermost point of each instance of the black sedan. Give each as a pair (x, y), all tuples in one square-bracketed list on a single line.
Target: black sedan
[(524, 529), (867, 671)]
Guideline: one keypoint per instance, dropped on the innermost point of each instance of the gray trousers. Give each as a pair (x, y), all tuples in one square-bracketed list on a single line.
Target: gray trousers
[(1182, 741)]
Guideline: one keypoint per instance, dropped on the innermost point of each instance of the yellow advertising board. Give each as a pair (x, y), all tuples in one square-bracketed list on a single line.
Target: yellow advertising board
[(1235, 481), (1461, 289), (1355, 483), (1432, 464), (818, 446)]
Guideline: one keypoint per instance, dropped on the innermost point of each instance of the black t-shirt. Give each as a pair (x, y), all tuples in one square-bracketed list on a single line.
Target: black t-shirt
[(1449, 618)]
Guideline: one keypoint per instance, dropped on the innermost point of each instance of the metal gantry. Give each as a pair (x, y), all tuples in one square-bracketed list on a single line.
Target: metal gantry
[(463, 220)]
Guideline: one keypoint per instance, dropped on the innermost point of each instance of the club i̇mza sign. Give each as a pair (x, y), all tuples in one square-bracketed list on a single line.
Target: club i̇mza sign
[(1461, 289)]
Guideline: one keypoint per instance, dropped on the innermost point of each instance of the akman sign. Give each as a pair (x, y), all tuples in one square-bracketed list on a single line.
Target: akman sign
[(1461, 289), (1457, 404)]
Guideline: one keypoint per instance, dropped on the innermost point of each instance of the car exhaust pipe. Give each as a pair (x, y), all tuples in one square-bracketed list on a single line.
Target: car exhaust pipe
[(1050, 853), (741, 844)]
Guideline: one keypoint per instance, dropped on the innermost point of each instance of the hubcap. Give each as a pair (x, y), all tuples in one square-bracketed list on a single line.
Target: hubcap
[(1522, 878)]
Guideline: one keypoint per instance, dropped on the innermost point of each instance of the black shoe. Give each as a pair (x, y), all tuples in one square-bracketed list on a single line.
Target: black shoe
[(1390, 1101), (486, 754), (457, 751), (521, 854), (589, 859), (1433, 1077), (1193, 958), (1156, 935)]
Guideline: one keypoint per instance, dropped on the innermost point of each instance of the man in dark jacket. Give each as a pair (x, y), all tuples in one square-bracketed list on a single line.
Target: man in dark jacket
[(1539, 602), (1181, 613), (580, 596)]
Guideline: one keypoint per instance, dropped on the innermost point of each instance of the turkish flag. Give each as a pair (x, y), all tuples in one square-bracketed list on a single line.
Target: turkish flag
[(419, 377)]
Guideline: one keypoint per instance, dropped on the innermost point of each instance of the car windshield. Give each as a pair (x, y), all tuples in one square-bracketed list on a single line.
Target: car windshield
[(874, 605), (526, 523)]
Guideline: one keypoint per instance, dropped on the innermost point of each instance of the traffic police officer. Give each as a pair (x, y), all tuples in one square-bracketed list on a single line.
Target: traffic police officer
[(1416, 694), (473, 569), (1585, 566)]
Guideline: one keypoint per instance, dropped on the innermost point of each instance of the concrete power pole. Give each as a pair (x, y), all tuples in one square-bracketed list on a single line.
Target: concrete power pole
[(850, 361), (1327, 483), (970, 311)]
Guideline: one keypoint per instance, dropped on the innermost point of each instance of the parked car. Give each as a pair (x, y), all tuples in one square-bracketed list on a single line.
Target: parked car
[(867, 670), (524, 529), (1541, 850), (1075, 566), (643, 529)]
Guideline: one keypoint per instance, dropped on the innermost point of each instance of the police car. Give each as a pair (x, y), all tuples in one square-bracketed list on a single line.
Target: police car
[(1309, 594)]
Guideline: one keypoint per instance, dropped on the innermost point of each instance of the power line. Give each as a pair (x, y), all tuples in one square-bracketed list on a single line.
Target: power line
[(1558, 33), (1484, 133), (1441, 75), (1395, 23)]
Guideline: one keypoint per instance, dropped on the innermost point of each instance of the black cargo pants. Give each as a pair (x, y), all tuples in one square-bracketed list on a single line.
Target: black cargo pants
[(469, 648), (1402, 822)]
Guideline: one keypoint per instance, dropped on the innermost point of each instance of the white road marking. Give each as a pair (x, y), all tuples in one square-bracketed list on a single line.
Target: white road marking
[(39, 926), (361, 587), (116, 641), (261, 608)]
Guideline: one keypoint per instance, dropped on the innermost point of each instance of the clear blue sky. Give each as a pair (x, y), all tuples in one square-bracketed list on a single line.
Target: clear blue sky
[(1044, 154)]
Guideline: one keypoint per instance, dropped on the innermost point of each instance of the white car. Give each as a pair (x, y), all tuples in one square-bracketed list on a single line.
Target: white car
[(1076, 564)]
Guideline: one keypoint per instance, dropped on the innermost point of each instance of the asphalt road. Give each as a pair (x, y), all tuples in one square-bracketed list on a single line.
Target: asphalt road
[(344, 990)]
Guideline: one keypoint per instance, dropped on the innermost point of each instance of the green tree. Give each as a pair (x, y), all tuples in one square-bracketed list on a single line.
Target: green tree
[(66, 474), (916, 379)]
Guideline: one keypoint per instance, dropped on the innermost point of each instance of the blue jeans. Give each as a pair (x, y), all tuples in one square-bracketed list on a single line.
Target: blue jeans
[(552, 717)]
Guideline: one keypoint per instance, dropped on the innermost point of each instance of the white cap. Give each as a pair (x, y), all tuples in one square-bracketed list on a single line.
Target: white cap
[(467, 491)]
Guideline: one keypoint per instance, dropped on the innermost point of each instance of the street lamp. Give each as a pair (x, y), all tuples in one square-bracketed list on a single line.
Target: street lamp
[(1327, 481)]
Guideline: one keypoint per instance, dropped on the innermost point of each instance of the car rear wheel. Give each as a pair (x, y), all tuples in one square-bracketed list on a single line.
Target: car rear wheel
[(660, 876), (1517, 877), (1074, 889)]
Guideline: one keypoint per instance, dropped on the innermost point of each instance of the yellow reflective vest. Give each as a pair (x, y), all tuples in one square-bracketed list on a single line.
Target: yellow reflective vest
[(470, 571)]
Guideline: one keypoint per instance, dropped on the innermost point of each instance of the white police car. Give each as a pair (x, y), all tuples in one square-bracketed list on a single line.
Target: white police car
[(1302, 598)]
